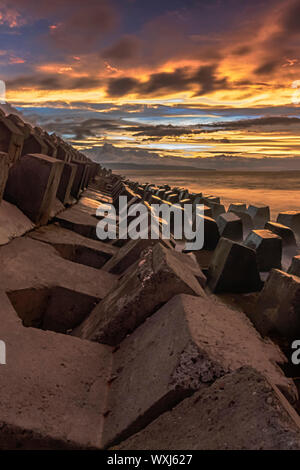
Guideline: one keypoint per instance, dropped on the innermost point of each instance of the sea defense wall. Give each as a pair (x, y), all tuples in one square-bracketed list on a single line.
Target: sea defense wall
[(139, 343)]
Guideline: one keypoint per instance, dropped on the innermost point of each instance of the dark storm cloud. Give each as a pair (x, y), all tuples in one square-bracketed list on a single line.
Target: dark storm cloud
[(77, 26), (52, 82), (80, 130), (180, 79), (267, 67), (262, 121), (124, 49)]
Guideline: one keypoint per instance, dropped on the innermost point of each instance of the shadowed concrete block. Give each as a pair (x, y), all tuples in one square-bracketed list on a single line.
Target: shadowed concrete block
[(78, 221), (54, 388), (295, 266), (11, 139), (185, 346), (260, 215), (230, 226), (242, 410), (127, 255), (237, 207), (233, 268), (4, 168), (217, 209), (13, 223), (46, 290), (66, 182), (211, 232), (284, 232), (75, 247), (77, 183), (268, 247), (247, 221), (153, 281), (278, 305), (32, 185), (292, 220), (33, 142)]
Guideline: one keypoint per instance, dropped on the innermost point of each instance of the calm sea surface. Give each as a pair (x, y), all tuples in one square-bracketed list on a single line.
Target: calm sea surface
[(279, 190)]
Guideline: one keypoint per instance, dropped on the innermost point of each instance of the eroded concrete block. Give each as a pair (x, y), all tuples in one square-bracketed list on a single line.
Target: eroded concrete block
[(13, 223), (237, 207), (268, 247), (247, 222), (284, 232), (260, 215), (233, 268), (11, 139), (78, 221), (47, 291), (54, 388), (211, 232), (295, 266), (292, 220), (75, 247), (185, 346), (278, 305), (66, 182), (153, 281), (32, 185), (230, 226), (232, 414)]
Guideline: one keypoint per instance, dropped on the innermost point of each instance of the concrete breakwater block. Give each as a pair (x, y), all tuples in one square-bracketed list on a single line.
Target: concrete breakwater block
[(66, 182), (230, 226), (211, 231), (4, 169), (11, 139), (268, 247), (185, 346), (217, 209), (54, 388), (284, 232), (292, 220), (32, 185), (13, 223), (47, 291), (295, 266), (237, 207), (278, 305), (75, 247), (260, 215), (247, 221), (153, 280), (78, 221), (233, 268), (241, 410)]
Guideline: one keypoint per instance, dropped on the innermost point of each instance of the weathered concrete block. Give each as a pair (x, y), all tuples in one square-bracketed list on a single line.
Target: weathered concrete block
[(260, 215), (278, 305), (4, 168), (75, 247), (54, 388), (268, 247), (247, 221), (217, 209), (66, 182), (284, 232), (237, 207), (185, 346), (33, 142), (211, 232), (78, 221), (13, 223), (153, 281), (295, 266), (77, 183), (233, 268), (232, 414), (47, 291), (230, 226), (11, 139), (32, 185), (292, 220)]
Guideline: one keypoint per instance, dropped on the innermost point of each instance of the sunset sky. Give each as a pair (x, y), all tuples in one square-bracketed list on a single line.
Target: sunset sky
[(198, 82)]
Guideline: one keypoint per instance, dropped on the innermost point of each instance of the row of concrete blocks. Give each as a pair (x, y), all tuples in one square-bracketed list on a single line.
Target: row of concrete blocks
[(118, 380), (39, 173), (270, 240)]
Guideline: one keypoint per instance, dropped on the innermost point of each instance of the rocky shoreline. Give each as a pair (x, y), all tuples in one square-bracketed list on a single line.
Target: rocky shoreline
[(139, 344)]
